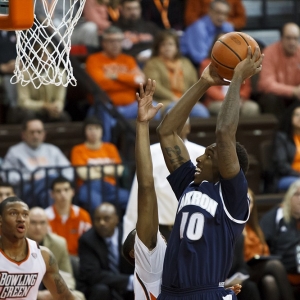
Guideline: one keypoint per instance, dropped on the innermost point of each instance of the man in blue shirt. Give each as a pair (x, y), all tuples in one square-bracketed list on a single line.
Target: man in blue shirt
[(198, 38)]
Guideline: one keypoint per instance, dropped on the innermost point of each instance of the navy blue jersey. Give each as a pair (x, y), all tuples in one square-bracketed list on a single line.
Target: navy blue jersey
[(209, 219)]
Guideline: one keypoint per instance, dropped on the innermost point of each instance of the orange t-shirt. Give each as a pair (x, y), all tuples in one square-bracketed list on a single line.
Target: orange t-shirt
[(106, 154), (122, 89), (253, 245), (78, 222)]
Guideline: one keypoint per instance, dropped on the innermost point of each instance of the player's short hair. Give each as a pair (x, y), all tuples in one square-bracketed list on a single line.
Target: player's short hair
[(29, 119), (7, 185), (60, 179), (4, 203), (242, 157), (128, 246)]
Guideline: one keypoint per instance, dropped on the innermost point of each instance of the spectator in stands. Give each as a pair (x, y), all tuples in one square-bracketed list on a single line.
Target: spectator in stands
[(6, 190), (286, 149), (95, 21), (281, 230), (118, 75), (38, 231), (84, 32), (45, 103), (267, 271), (138, 33), (198, 38), (103, 269), (66, 219), (105, 167), (166, 14), (173, 73), (215, 95), (29, 158), (249, 289), (195, 9), (167, 202), (8, 56), (279, 81)]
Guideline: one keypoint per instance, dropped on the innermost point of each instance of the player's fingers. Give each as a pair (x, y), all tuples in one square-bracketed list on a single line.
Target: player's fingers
[(256, 53), (153, 87), (137, 97), (141, 90), (249, 52), (148, 87), (158, 106)]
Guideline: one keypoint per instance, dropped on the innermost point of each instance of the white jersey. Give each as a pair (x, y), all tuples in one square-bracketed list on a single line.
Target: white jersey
[(148, 268), (20, 280)]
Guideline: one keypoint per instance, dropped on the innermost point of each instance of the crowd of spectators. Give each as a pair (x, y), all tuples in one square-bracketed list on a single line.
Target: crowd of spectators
[(78, 203)]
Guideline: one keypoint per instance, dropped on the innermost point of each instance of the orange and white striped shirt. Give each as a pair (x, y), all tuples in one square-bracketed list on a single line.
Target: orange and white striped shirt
[(71, 227), (21, 279)]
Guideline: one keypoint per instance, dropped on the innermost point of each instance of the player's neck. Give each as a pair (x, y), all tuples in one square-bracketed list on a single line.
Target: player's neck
[(15, 249)]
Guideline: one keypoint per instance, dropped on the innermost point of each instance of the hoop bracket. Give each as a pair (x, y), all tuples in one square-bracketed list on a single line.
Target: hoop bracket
[(20, 15)]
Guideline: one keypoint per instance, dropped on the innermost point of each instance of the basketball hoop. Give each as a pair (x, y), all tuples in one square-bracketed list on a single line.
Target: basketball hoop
[(43, 50), (16, 15)]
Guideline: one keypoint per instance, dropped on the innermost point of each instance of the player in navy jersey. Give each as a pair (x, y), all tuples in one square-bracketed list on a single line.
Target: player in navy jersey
[(213, 204)]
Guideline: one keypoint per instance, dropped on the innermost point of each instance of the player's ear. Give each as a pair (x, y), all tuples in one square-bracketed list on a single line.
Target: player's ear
[(131, 253)]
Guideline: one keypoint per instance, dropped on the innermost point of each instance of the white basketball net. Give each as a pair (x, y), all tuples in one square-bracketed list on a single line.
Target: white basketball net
[(43, 50)]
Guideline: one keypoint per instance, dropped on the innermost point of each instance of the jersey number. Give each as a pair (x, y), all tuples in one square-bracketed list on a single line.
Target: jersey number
[(194, 225)]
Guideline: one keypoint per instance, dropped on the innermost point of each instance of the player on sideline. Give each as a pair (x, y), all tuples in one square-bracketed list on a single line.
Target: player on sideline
[(24, 264), (213, 205), (144, 247)]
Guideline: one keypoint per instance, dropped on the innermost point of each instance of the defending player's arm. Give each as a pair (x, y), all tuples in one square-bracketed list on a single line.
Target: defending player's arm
[(53, 280), (174, 150), (227, 121), (147, 222)]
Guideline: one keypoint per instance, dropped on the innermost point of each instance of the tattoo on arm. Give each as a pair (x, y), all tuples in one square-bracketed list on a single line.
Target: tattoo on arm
[(52, 260), (59, 283), (175, 156)]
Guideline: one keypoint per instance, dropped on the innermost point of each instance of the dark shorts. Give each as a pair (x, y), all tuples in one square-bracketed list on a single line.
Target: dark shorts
[(205, 293)]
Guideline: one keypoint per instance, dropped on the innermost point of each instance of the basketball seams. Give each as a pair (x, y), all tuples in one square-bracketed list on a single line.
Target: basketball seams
[(243, 39), (230, 49), (221, 63)]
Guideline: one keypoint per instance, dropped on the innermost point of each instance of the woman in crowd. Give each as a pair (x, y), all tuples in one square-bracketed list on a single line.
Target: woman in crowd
[(281, 228), (286, 158), (267, 271), (173, 73)]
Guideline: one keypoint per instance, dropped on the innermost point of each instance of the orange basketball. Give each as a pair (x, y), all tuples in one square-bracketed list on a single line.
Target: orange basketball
[(229, 50)]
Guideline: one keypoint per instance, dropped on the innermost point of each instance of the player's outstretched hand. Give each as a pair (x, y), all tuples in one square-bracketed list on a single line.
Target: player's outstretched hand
[(211, 75), (251, 65), (146, 110)]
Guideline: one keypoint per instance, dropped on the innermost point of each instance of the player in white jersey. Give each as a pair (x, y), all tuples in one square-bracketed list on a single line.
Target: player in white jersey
[(24, 264), (145, 247)]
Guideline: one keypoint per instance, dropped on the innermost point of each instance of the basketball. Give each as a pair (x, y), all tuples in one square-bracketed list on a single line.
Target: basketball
[(229, 50)]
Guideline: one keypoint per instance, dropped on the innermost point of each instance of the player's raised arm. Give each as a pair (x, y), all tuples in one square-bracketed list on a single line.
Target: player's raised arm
[(147, 222), (174, 150), (53, 280), (228, 117)]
